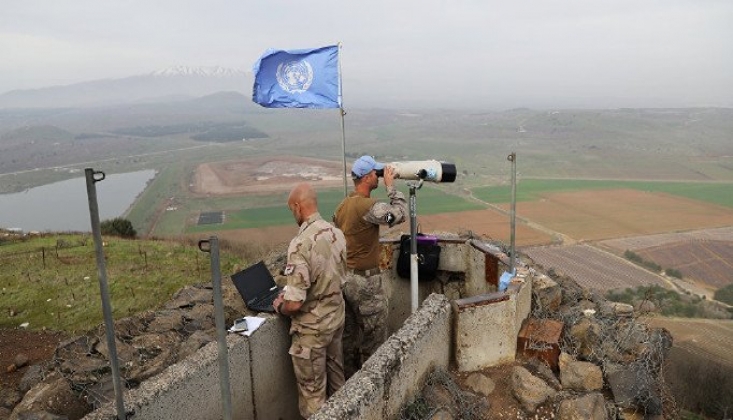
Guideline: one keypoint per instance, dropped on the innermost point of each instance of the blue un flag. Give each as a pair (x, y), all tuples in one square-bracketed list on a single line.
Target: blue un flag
[(298, 79)]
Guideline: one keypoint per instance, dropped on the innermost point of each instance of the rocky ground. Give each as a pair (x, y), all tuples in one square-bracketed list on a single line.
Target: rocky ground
[(39, 347), (45, 372), (20, 349)]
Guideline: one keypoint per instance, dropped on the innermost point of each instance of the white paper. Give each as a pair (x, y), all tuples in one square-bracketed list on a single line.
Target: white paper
[(253, 322)]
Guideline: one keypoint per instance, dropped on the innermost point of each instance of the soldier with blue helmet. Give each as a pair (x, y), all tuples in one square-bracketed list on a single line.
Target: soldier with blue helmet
[(359, 216)]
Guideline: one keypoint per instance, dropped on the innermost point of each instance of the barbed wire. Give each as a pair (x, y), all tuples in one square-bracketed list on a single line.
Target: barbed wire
[(596, 332), (146, 344), (458, 403)]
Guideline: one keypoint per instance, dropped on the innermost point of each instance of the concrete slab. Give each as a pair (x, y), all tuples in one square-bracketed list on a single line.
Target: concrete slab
[(484, 332)]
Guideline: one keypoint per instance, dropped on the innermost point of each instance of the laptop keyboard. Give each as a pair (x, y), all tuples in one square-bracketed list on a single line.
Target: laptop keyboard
[(263, 302)]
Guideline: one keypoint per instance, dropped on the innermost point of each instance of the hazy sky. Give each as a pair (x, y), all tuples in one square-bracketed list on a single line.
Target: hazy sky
[(482, 53)]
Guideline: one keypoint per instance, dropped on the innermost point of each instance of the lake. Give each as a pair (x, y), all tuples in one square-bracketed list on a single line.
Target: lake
[(64, 205)]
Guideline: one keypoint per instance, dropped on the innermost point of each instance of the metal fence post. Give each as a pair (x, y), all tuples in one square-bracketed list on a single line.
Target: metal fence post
[(213, 249), (92, 178), (513, 213)]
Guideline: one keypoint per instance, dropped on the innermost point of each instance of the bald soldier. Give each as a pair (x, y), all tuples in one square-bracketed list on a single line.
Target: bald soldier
[(312, 298)]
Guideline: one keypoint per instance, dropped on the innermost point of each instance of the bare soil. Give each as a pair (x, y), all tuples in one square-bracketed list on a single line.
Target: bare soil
[(607, 214), (502, 404), (264, 175), (37, 346)]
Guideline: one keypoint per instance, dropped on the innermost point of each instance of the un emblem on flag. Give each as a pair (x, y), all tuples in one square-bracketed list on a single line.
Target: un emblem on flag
[(294, 76)]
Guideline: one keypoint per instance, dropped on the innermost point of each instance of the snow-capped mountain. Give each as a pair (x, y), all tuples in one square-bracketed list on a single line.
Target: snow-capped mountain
[(179, 82), (214, 71)]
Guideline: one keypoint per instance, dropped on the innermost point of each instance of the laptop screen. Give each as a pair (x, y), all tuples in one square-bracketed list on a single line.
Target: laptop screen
[(254, 281)]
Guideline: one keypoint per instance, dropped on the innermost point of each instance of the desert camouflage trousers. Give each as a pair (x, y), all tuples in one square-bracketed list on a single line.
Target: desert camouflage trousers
[(365, 328), (319, 372)]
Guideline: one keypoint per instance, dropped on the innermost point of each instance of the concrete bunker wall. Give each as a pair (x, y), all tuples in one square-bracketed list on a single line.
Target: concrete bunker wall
[(466, 268), (261, 379), (474, 332), (261, 375), (397, 371)]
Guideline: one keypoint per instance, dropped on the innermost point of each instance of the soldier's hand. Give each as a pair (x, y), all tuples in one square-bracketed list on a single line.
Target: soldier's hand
[(276, 303), (389, 176)]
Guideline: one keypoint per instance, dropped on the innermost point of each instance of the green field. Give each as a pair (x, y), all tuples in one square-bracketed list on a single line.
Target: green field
[(532, 189), (255, 211), (251, 212)]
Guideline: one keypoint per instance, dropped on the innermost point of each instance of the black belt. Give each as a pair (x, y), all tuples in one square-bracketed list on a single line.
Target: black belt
[(367, 273)]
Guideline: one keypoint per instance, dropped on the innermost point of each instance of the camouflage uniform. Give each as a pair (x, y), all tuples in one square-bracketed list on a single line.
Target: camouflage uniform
[(315, 269), (366, 303)]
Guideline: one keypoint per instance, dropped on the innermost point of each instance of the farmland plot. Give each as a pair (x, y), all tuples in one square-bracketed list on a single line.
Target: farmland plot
[(608, 214), (485, 223), (710, 262), (635, 243), (593, 268), (705, 256), (713, 338)]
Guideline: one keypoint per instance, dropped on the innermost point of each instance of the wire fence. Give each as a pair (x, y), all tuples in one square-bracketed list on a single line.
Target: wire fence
[(146, 344), (595, 330), (442, 394)]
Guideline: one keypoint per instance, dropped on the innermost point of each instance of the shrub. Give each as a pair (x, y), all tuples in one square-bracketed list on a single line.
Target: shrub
[(670, 303), (118, 227), (649, 265), (632, 256), (725, 294)]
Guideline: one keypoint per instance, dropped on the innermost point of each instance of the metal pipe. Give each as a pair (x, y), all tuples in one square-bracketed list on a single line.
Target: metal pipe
[(213, 249), (92, 177), (343, 124), (513, 212), (343, 148), (414, 295)]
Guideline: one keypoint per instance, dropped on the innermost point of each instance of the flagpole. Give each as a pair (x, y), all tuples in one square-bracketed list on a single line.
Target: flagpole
[(343, 148), (343, 127)]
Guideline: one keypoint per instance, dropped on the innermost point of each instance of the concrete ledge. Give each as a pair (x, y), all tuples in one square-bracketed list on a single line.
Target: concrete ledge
[(397, 371), (486, 326), (273, 380), (521, 292), (360, 398), (191, 388), (480, 300)]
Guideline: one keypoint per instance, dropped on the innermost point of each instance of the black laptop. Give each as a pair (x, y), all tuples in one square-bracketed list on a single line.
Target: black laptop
[(257, 287)]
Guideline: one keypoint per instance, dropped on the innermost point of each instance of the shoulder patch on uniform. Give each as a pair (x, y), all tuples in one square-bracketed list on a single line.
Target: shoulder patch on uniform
[(289, 269), (389, 218)]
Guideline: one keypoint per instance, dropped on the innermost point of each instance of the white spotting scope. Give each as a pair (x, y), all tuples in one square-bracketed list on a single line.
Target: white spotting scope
[(427, 170)]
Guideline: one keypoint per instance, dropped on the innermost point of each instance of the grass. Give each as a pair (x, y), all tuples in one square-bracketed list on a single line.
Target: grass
[(533, 189), (51, 281)]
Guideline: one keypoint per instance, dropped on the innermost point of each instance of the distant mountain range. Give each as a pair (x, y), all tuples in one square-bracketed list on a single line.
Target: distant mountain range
[(175, 83)]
